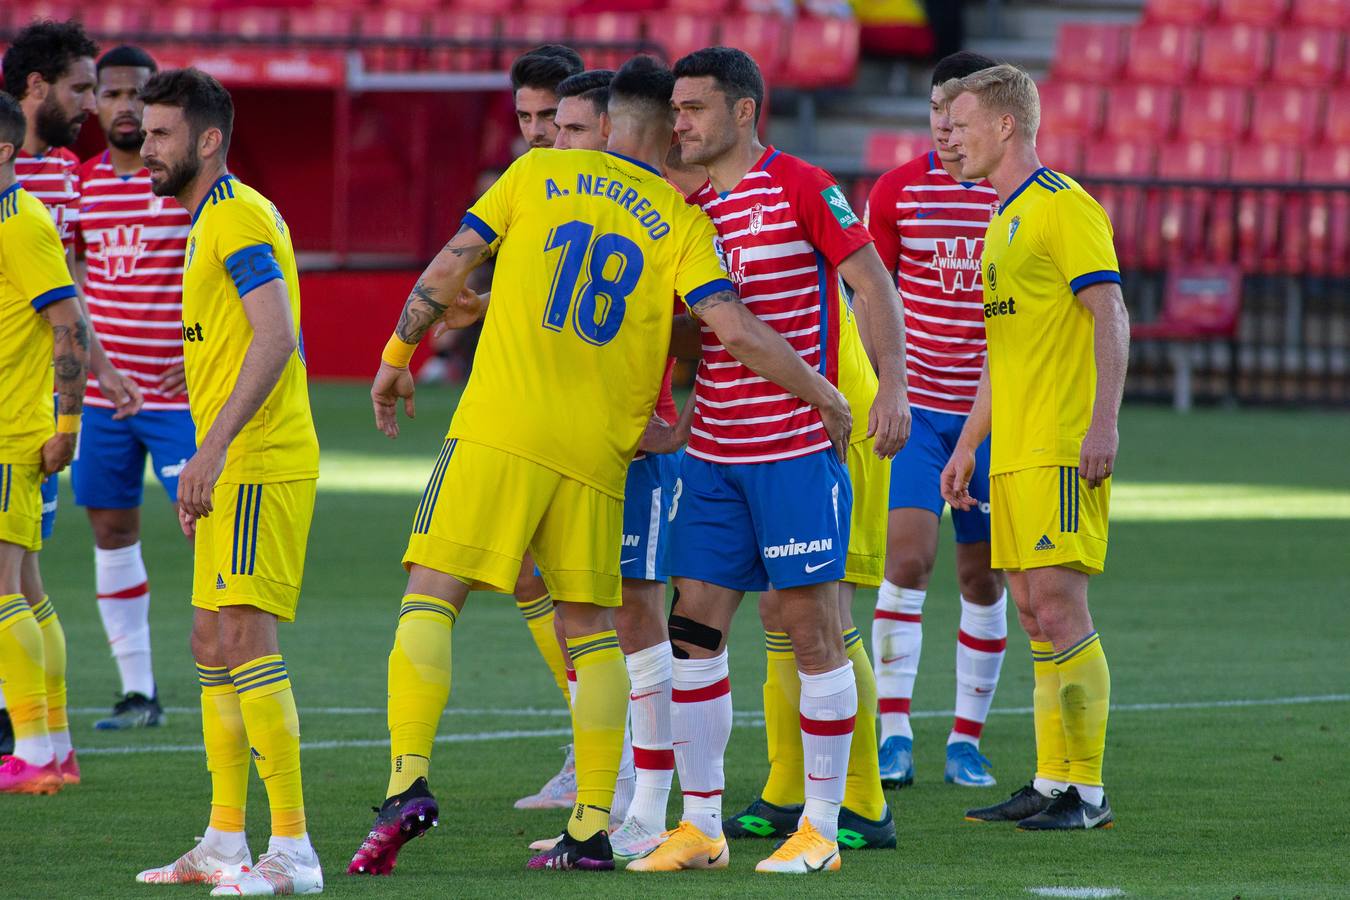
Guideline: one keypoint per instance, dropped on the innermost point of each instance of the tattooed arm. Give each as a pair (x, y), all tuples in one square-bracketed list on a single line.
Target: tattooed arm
[(767, 354), (435, 291), (70, 360)]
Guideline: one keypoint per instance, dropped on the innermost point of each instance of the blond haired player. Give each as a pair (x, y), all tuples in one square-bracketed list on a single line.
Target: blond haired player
[(1058, 337)]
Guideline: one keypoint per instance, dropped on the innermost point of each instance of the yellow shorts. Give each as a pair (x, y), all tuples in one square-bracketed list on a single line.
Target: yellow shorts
[(1048, 516), (484, 507), (251, 550), (871, 479), (21, 505)]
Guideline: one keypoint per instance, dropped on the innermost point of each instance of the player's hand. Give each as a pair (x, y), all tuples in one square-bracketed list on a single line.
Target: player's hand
[(174, 381), (462, 312), (124, 393), (955, 484), (1097, 458), (390, 385), (188, 522), (57, 453), (197, 482), (838, 422), (659, 437), (888, 421)]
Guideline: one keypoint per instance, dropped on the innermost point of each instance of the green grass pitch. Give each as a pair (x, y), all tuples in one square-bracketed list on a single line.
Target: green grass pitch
[(1223, 613)]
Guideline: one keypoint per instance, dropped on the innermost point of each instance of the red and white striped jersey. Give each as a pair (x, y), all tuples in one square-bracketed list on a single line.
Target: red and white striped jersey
[(135, 244), (929, 230), (784, 230), (53, 178)]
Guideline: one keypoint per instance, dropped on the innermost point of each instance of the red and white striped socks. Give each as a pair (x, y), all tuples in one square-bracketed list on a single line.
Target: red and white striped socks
[(124, 606), (700, 720), (650, 672), (980, 647), (897, 640), (829, 707)]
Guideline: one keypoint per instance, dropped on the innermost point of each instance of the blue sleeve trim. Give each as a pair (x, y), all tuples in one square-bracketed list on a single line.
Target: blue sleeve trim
[(707, 290), (253, 267), (55, 295), (484, 229), (1092, 278)]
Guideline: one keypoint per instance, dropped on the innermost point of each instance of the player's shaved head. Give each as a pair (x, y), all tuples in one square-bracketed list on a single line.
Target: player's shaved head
[(13, 126), (641, 90)]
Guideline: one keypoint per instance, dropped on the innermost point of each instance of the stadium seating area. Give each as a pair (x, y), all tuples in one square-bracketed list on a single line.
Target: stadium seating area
[(805, 48), (1246, 101)]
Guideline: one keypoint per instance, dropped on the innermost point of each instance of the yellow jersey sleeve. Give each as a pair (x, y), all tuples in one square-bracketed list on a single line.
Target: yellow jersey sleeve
[(699, 272), (494, 212), (36, 260), (245, 239), (1078, 239)]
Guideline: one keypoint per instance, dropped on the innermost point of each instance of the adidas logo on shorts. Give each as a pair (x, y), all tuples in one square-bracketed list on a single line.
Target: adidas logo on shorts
[(1044, 543), (220, 582)]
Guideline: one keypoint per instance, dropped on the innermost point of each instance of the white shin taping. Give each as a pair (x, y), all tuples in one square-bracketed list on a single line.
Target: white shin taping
[(700, 727), (897, 643), (650, 672), (980, 647), (124, 607), (829, 706)]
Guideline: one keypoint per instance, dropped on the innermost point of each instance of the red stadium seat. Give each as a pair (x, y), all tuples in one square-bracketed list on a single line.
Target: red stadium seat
[(252, 22), (323, 22), (1141, 111), (609, 27), (1265, 13), (1120, 159), (885, 150), (556, 7), (708, 7), (105, 21), (1090, 52), (181, 22), (1194, 160), (1310, 56), (1337, 129), (495, 7), (1178, 219), (680, 33), (1200, 303), (1061, 152), (822, 52), (1162, 54), (1327, 215), (1270, 163), (1124, 204), (477, 29), (1234, 54), (1071, 108), (759, 35), (392, 25), (1180, 12), (1259, 216), (422, 7), (1334, 14), (1286, 115), (1213, 112), (58, 10)]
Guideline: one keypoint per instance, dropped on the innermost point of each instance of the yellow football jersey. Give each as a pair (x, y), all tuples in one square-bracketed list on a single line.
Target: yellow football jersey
[(1046, 243), (857, 378), (33, 275), (239, 242), (592, 246)]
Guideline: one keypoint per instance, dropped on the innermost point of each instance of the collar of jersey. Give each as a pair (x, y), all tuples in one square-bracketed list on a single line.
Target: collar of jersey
[(9, 190), (765, 158), (215, 184), (637, 162), (1017, 193)]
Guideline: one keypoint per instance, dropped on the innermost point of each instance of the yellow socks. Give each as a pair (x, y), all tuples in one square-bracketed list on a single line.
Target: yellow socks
[(419, 685), (226, 748), (782, 724), (862, 787), (1052, 755), (22, 670), (267, 706), (1084, 698), (539, 619), (54, 665), (597, 728)]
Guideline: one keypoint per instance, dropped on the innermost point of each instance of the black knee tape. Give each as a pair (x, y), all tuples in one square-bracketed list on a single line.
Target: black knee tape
[(691, 632)]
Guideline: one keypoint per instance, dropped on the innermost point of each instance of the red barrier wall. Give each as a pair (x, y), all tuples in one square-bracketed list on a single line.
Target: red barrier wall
[(348, 316)]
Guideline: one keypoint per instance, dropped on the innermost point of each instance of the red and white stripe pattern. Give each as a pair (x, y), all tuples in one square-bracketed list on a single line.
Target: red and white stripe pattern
[(780, 243), (929, 230), (134, 283), (53, 178), (981, 643)]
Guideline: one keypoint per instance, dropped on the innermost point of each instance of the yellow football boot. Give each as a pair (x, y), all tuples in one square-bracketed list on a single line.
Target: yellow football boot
[(686, 847), (805, 851)]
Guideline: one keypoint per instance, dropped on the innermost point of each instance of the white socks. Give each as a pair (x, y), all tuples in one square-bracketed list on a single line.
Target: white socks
[(37, 750), (650, 672), (980, 647), (897, 639), (829, 706), (227, 844), (700, 719), (626, 784), (124, 606), (572, 686)]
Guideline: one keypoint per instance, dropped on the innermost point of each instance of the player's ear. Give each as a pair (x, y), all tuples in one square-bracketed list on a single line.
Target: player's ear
[(605, 125), (745, 112), (210, 142), (7, 153), (37, 86)]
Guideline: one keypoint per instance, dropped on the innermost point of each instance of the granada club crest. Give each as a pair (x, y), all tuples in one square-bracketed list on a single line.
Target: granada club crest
[(156, 205), (1012, 228), (756, 218)]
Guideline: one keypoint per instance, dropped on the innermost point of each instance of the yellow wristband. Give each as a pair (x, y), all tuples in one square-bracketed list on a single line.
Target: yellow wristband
[(67, 424), (398, 352)]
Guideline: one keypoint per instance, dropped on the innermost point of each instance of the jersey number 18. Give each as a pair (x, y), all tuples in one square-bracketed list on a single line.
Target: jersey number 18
[(598, 311)]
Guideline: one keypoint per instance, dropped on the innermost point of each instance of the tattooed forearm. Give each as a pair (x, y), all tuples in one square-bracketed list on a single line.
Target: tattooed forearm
[(420, 312), (712, 300), (70, 360)]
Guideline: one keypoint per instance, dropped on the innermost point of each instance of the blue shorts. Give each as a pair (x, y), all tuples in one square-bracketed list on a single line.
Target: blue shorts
[(752, 525), (646, 503), (50, 488), (109, 467), (916, 473)]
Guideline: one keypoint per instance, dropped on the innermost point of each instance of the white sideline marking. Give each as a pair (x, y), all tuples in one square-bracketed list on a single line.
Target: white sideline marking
[(920, 714), (1076, 892), (742, 720)]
